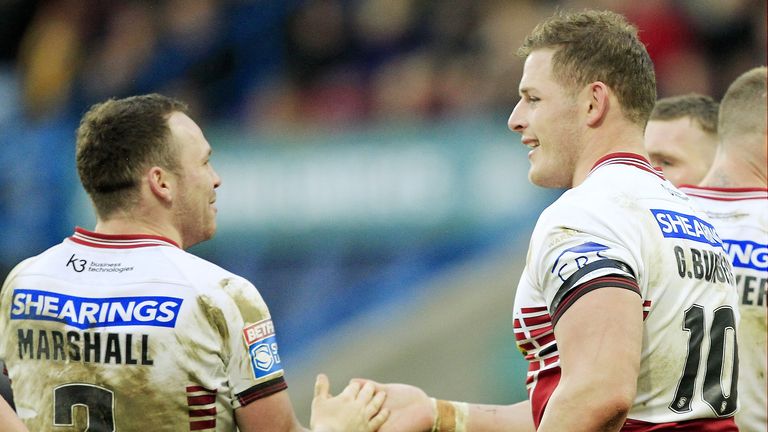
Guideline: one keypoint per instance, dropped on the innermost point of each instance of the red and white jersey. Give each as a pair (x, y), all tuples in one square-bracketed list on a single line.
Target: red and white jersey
[(626, 227), (132, 333), (741, 218)]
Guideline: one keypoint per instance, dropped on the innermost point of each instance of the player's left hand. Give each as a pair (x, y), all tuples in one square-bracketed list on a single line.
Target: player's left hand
[(410, 409), (357, 408)]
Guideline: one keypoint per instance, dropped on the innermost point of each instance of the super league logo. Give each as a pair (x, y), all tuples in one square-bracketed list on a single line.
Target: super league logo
[(263, 357), (78, 265)]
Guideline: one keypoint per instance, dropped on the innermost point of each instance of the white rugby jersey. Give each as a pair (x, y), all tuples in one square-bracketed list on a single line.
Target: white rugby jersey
[(741, 218), (130, 333), (627, 227)]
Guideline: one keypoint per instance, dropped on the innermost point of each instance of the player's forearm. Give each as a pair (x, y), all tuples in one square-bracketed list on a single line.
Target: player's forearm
[(8, 419), (511, 418)]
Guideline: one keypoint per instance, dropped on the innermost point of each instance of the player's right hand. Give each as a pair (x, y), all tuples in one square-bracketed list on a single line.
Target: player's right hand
[(358, 408), (410, 409)]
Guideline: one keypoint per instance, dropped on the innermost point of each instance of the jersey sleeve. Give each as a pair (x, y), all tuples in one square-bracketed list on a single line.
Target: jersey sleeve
[(254, 366), (578, 253)]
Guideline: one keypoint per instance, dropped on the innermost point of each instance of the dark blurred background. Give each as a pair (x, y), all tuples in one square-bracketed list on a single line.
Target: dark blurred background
[(362, 143)]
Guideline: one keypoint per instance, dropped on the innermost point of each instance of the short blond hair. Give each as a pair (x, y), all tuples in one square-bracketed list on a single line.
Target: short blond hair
[(598, 46)]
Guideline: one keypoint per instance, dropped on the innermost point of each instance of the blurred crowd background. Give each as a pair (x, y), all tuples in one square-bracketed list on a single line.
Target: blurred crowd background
[(422, 84), (265, 64)]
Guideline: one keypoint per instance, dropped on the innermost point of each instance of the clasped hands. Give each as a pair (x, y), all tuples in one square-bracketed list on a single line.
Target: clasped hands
[(368, 406)]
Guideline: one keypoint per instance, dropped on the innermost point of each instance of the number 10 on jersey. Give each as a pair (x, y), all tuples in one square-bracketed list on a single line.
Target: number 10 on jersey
[(722, 362)]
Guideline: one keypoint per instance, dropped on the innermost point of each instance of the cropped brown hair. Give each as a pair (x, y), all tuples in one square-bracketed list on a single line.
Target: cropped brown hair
[(117, 140), (598, 46), (701, 108), (743, 110)]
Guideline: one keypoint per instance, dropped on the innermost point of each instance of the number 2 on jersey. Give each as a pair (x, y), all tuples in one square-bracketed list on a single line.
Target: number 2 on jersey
[(98, 401), (722, 404)]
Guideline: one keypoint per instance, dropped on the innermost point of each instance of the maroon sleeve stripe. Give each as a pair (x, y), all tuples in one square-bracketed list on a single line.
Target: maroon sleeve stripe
[(609, 281), (202, 412), (201, 403), (201, 400), (202, 425), (261, 391)]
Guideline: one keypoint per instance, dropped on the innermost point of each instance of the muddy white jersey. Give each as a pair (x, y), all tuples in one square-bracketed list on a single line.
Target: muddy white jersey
[(625, 227), (131, 333), (740, 216)]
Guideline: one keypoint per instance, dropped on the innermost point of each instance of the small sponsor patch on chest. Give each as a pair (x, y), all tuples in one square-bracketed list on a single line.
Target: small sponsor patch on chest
[(262, 347)]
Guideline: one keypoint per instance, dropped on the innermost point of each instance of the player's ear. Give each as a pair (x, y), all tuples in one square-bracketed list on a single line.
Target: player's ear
[(598, 102), (160, 183)]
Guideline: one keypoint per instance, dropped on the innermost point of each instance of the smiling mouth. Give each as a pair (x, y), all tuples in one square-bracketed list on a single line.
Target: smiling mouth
[(531, 143)]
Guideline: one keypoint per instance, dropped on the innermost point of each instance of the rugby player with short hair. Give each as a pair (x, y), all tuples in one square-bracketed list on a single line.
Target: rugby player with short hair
[(734, 194), (626, 309), (119, 328), (681, 137)]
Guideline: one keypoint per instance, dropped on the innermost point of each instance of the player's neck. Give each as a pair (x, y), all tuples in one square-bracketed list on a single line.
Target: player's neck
[(620, 140), (124, 225), (735, 171)]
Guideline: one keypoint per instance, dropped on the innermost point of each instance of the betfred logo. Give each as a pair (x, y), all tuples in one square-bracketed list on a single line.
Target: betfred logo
[(258, 331), (262, 348)]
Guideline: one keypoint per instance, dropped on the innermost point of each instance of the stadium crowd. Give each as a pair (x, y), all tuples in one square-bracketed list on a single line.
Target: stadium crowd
[(292, 64)]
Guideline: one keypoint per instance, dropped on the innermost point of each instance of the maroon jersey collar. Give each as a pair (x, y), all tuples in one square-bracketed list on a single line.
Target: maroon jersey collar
[(726, 194), (119, 241), (631, 159)]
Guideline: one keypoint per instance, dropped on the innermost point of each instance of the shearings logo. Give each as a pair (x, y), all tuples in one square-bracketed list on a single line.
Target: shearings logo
[(684, 226), (747, 254), (91, 312)]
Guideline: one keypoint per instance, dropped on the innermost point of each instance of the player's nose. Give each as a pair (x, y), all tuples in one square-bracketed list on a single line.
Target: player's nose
[(516, 122)]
